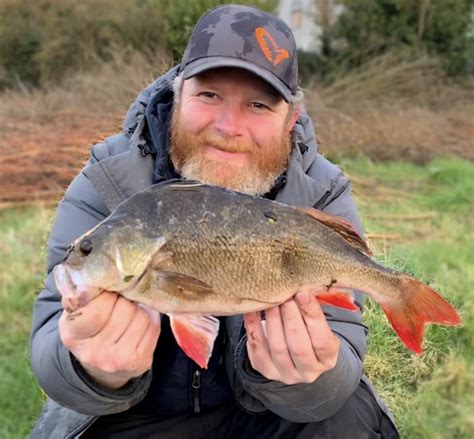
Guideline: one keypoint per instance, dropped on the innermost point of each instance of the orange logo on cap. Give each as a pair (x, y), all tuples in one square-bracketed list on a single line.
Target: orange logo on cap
[(269, 47)]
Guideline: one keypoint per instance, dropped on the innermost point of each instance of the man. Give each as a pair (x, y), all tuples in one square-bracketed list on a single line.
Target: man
[(229, 115)]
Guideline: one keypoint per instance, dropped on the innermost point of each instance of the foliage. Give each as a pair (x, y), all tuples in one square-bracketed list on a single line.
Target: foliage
[(43, 41), (369, 28)]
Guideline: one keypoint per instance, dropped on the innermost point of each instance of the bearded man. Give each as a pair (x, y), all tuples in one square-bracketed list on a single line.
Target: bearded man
[(229, 115)]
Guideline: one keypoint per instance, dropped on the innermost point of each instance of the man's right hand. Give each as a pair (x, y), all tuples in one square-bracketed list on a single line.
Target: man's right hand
[(113, 338)]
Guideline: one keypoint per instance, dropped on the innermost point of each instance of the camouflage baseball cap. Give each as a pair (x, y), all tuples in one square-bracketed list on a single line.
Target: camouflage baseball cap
[(247, 38)]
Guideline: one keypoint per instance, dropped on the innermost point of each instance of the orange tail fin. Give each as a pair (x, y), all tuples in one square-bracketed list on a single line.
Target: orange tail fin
[(418, 305)]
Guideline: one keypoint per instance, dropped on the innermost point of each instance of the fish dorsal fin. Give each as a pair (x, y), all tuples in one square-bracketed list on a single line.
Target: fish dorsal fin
[(339, 225), (187, 185)]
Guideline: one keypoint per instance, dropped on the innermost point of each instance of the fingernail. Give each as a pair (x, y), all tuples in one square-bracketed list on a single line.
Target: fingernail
[(303, 299)]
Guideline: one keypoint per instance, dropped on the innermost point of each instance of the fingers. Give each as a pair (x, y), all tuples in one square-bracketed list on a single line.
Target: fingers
[(122, 317), (325, 343), (257, 346), (299, 342), (145, 323), (149, 339), (278, 345), (296, 345), (113, 338), (88, 320)]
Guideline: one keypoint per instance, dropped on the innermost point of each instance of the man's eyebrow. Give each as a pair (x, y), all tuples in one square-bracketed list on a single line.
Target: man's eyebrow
[(266, 93), (271, 96)]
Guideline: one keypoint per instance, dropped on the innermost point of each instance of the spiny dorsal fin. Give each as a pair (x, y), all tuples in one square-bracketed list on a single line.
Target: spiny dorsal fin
[(187, 185), (339, 225)]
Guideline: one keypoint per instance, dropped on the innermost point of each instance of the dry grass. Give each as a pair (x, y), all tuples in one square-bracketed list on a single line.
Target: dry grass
[(46, 134), (393, 108)]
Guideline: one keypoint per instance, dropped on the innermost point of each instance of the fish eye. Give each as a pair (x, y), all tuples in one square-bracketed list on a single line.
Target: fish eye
[(86, 247)]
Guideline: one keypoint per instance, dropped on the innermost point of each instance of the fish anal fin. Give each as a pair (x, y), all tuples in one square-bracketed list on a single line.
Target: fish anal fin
[(195, 335), (418, 305), (339, 225), (182, 285), (340, 299)]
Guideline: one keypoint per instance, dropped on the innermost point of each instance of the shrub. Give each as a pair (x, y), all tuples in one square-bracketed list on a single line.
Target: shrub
[(370, 28), (42, 41)]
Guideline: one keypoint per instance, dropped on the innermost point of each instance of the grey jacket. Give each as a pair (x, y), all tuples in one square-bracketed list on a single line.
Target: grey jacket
[(116, 170)]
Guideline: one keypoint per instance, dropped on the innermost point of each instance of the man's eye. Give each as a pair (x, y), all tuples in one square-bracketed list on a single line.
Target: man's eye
[(208, 95), (259, 106)]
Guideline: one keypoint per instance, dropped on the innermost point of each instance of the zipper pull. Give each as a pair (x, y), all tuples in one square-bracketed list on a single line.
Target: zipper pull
[(144, 149), (196, 385)]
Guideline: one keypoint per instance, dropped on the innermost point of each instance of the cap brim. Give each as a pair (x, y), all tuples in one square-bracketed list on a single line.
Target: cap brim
[(213, 62)]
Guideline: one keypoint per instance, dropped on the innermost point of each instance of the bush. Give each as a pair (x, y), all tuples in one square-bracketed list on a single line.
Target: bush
[(42, 41), (369, 28), (20, 41)]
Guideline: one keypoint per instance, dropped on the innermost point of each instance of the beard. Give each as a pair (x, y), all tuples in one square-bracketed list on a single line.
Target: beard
[(255, 177)]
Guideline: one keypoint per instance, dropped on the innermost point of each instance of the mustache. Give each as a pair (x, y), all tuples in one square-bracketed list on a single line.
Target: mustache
[(227, 145)]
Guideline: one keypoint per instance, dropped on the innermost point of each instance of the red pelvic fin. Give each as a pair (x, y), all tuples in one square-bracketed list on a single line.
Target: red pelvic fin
[(195, 335), (337, 298), (419, 305)]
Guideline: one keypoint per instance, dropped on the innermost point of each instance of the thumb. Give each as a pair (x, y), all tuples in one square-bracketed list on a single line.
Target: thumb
[(87, 321)]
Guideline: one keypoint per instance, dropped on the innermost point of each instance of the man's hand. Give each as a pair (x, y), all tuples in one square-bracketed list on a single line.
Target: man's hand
[(113, 338), (294, 344)]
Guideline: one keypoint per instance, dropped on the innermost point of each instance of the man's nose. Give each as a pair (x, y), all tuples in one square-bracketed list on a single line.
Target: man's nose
[(229, 121)]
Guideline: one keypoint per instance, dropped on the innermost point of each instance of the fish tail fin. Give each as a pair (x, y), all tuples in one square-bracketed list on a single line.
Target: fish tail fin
[(418, 305)]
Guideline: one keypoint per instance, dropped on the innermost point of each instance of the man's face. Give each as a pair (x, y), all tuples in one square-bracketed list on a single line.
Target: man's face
[(231, 129)]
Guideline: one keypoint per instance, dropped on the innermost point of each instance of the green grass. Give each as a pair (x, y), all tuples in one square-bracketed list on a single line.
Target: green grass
[(432, 395), (22, 252)]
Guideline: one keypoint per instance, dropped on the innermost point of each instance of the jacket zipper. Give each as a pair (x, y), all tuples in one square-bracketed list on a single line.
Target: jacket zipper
[(196, 386), (81, 429), (321, 203)]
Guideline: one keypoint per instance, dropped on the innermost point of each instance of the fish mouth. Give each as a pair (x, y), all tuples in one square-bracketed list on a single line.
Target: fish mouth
[(75, 293)]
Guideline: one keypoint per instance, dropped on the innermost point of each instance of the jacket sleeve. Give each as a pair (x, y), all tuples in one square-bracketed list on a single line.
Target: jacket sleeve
[(58, 372), (321, 399)]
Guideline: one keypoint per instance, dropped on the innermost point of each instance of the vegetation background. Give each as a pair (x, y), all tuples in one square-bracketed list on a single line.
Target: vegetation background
[(392, 97)]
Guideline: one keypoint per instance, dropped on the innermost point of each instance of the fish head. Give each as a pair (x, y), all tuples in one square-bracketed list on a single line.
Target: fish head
[(111, 257)]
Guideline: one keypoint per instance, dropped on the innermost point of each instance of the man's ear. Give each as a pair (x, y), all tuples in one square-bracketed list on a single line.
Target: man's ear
[(294, 117)]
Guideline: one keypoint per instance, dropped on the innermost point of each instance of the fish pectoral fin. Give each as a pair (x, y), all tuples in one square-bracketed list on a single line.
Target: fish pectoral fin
[(339, 225), (195, 335), (182, 285)]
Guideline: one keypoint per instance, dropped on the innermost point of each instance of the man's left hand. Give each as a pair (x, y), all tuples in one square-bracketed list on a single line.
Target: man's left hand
[(294, 344)]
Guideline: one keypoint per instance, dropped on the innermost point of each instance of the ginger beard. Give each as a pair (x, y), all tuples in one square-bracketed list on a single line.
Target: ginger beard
[(255, 176)]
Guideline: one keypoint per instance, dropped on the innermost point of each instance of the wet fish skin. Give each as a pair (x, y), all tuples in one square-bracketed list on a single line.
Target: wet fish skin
[(183, 247)]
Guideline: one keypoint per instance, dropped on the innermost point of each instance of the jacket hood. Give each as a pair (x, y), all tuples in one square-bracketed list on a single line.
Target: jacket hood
[(136, 111), (160, 94)]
